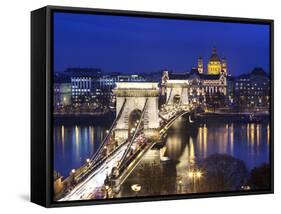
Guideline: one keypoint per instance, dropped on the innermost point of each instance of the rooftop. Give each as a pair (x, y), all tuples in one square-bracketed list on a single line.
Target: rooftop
[(187, 75)]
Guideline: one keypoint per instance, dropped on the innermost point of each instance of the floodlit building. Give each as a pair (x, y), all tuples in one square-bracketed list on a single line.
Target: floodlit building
[(252, 90), (195, 86), (215, 65), (62, 91), (84, 82)]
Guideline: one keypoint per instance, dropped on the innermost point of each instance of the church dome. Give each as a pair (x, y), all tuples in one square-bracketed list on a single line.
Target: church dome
[(214, 57)]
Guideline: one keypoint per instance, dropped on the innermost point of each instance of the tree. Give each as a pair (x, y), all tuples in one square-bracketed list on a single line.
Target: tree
[(153, 179), (260, 177), (222, 173)]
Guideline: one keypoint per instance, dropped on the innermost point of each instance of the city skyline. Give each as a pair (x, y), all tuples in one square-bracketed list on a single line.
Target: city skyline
[(142, 45)]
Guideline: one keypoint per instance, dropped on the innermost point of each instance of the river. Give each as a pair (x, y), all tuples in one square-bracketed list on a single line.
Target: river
[(184, 146)]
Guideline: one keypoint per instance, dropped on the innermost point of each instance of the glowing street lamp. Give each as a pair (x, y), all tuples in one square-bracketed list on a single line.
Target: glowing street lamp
[(106, 191), (195, 175), (180, 186), (72, 177), (198, 174), (136, 188)]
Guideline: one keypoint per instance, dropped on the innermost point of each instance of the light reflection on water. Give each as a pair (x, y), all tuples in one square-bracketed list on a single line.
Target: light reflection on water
[(74, 144), (248, 142), (188, 146)]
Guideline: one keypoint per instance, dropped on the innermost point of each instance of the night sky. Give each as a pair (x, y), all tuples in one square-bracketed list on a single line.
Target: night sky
[(144, 45)]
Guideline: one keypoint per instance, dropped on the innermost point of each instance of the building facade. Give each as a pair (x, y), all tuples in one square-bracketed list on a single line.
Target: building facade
[(197, 85), (61, 91), (84, 82), (108, 82), (252, 90)]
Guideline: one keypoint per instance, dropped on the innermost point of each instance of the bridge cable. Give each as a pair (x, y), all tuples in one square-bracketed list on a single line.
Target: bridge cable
[(174, 118), (134, 135), (181, 96), (97, 154), (170, 95)]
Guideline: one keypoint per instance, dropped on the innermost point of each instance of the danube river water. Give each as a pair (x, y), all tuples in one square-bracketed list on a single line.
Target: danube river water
[(73, 144), (184, 146)]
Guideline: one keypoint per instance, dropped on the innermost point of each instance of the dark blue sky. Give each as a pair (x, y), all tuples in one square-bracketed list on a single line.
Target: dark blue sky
[(139, 45)]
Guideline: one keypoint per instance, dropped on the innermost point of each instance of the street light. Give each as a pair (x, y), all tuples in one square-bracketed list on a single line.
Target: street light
[(106, 191), (195, 175), (72, 177), (136, 188), (180, 186), (198, 174), (190, 174)]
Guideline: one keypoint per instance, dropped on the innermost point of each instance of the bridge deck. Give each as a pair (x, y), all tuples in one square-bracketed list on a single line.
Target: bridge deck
[(95, 180)]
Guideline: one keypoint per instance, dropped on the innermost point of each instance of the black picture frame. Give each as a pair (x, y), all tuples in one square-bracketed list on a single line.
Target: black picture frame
[(41, 104)]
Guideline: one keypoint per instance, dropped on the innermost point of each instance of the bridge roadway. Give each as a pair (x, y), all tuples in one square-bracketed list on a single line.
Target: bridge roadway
[(95, 180), (88, 188)]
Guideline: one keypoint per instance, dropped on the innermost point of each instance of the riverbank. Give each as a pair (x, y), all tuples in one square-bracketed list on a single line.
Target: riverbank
[(84, 119), (232, 117)]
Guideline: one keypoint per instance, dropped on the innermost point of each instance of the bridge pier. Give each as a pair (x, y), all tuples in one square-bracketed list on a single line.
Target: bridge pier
[(121, 135), (151, 133), (177, 88)]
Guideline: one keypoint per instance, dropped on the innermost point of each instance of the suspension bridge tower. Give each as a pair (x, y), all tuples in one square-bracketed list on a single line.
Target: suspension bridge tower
[(136, 102)]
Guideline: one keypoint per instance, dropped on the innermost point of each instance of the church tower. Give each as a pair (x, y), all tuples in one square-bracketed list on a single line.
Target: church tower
[(214, 64), (165, 78), (200, 65), (224, 66)]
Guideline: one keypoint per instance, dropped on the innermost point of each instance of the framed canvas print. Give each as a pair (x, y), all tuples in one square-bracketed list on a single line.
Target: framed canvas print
[(140, 106)]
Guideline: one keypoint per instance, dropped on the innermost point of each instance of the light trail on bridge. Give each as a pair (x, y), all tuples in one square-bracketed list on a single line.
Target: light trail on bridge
[(95, 180)]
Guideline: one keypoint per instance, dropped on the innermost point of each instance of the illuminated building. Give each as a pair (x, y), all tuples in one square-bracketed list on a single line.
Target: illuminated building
[(62, 91), (230, 89), (197, 85), (108, 82), (252, 90), (200, 65), (62, 94), (84, 82), (216, 66)]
